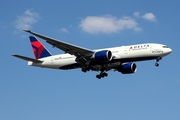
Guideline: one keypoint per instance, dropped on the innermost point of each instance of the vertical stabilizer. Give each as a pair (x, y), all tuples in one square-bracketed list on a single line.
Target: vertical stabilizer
[(39, 50)]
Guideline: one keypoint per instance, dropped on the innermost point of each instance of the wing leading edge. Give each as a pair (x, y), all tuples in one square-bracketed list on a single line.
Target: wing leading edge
[(66, 47)]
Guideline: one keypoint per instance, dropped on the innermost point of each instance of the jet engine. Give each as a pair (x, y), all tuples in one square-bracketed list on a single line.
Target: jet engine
[(102, 56), (127, 68)]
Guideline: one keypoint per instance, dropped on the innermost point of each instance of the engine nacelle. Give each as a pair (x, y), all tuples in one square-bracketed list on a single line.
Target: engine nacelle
[(127, 68), (103, 56)]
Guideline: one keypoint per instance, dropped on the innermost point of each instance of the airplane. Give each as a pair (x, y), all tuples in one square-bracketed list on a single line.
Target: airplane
[(119, 59)]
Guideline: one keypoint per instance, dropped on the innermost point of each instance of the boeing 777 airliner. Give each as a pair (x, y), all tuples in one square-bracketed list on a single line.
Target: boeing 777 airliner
[(119, 59)]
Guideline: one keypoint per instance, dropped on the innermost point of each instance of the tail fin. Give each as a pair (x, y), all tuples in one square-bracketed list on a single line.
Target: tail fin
[(39, 50)]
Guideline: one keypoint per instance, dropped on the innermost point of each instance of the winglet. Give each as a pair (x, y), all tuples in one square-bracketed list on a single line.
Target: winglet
[(27, 31)]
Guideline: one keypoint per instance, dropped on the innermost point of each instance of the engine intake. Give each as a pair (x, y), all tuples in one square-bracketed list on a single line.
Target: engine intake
[(127, 68), (103, 56)]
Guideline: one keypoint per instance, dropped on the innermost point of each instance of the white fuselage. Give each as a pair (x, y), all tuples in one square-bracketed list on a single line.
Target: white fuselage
[(121, 54)]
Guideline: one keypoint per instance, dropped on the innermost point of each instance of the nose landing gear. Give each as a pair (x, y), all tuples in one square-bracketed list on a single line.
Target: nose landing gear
[(156, 64), (157, 60)]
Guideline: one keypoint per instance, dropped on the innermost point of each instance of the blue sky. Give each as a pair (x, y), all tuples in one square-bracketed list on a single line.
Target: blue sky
[(34, 93)]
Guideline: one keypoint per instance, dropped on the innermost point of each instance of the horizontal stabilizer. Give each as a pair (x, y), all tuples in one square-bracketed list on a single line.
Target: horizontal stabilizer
[(27, 58)]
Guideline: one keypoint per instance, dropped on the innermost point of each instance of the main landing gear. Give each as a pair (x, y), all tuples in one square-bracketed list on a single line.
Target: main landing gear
[(101, 75), (157, 60), (85, 69)]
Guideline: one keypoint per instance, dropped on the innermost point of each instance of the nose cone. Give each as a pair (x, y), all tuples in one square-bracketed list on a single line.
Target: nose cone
[(169, 51)]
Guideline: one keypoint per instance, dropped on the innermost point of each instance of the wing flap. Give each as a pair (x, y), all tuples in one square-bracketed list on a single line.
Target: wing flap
[(27, 58)]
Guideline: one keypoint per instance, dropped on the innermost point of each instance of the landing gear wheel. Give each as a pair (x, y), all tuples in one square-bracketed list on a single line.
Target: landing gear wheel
[(83, 70), (105, 74), (98, 76), (156, 64), (102, 75)]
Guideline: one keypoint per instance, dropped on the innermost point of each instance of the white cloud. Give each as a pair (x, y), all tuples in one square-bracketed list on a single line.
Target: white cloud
[(107, 24), (64, 30), (149, 16), (26, 20), (136, 14)]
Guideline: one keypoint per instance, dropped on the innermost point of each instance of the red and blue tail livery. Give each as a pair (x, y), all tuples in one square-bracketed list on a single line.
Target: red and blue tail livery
[(39, 50)]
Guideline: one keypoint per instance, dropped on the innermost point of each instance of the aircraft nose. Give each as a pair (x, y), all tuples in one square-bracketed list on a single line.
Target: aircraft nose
[(170, 50), (167, 51)]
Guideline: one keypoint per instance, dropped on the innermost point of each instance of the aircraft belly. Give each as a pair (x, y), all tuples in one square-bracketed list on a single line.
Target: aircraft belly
[(66, 64)]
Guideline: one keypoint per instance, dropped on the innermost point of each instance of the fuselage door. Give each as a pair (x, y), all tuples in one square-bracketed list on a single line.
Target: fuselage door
[(52, 60)]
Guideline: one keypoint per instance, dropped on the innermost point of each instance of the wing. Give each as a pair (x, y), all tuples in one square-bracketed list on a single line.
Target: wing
[(66, 47)]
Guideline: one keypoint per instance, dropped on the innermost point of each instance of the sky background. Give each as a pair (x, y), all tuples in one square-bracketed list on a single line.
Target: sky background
[(31, 93)]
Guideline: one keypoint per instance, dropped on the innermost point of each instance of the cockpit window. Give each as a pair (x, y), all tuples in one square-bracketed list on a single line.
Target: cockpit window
[(165, 46)]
